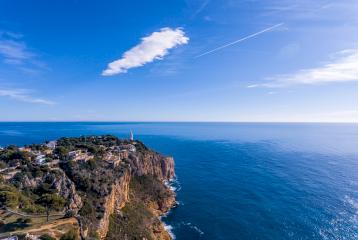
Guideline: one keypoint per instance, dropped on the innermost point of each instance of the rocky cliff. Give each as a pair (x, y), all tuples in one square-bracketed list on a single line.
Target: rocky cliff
[(151, 163), (114, 202), (114, 188), (144, 163), (67, 189)]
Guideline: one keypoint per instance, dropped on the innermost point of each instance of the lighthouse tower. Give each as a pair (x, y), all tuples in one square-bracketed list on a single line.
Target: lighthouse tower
[(131, 137)]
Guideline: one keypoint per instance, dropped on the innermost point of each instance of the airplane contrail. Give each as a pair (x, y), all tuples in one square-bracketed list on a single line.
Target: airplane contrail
[(240, 40)]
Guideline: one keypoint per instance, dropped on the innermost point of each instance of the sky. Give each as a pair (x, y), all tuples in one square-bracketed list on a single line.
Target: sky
[(179, 60)]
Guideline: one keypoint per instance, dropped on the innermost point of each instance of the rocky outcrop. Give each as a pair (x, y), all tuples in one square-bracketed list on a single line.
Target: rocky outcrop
[(166, 203), (159, 231), (56, 180), (66, 188), (28, 182)]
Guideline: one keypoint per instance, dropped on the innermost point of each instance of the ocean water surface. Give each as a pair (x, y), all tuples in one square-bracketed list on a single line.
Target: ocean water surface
[(243, 180)]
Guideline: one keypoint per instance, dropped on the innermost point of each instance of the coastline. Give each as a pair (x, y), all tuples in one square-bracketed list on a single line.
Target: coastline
[(170, 184)]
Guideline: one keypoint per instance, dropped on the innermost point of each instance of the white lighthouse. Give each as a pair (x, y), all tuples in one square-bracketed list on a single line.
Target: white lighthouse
[(131, 137)]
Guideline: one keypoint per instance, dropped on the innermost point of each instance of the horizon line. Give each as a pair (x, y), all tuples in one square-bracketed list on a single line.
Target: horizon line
[(158, 121)]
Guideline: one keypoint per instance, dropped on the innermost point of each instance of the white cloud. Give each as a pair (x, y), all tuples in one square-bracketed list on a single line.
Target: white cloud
[(152, 47), (23, 96), (14, 52), (343, 67)]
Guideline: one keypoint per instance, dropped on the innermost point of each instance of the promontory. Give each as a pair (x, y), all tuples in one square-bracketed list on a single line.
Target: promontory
[(88, 187)]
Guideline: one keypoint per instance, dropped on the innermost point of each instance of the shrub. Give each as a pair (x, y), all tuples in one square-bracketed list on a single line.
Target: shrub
[(87, 209), (9, 198)]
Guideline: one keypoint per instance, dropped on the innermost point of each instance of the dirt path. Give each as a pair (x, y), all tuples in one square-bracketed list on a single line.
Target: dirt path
[(48, 226), (33, 215)]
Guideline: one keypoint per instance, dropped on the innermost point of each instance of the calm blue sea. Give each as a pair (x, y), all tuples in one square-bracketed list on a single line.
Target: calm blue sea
[(243, 181)]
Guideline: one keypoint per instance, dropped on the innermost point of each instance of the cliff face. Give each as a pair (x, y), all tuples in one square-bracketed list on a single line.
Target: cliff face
[(151, 163), (142, 164), (114, 202), (148, 199)]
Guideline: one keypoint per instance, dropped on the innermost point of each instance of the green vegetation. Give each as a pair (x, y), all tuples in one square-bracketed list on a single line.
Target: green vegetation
[(25, 188), (12, 198), (20, 223), (37, 147), (149, 189), (92, 144), (134, 223), (12, 156), (51, 202)]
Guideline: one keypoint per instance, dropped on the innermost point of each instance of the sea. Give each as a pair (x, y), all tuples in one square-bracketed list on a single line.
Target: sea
[(242, 180)]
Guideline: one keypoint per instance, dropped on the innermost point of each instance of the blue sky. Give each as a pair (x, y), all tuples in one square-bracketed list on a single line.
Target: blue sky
[(197, 60)]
